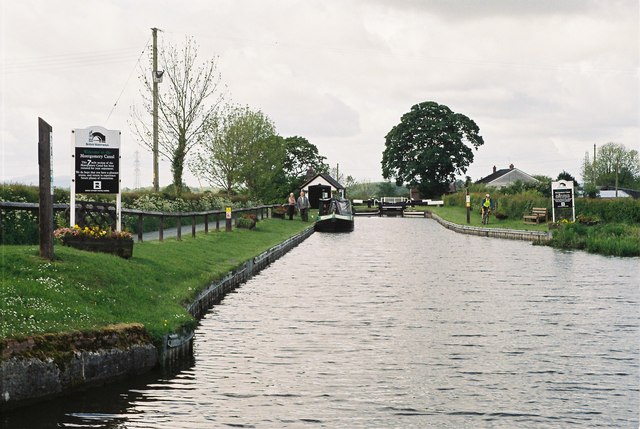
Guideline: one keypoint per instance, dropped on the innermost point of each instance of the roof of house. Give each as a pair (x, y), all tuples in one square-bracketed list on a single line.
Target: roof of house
[(503, 172), (327, 178), (490, 178)]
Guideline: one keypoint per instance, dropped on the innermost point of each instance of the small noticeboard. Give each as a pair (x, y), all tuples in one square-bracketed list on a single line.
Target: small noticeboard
[(562, 197), (228, 212), (97, 170), (96, 166), (97, 161)]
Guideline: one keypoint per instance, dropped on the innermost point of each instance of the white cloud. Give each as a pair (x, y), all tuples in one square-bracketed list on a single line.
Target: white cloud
[(544, 80)]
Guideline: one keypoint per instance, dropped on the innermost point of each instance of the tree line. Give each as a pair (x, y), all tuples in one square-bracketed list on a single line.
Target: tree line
[(613, 166), (231, 147), (237, 149), (432, 145)]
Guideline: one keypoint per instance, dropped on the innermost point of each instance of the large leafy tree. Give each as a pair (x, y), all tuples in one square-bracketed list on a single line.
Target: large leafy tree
[(263, 154), (429, 147), (272, 184), (564, 175), (242, 152), (301, 157), (187, 102), (218, 159)]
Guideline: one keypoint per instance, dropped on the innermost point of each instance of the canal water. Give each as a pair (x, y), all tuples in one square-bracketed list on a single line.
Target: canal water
[(400, 324)]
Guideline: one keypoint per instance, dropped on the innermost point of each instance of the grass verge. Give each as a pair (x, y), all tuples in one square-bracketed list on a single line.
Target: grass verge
[(458, 215), (84, 291), (609, 239)]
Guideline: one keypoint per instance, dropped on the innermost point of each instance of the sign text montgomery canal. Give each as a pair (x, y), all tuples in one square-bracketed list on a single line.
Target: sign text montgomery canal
[(97, 170)]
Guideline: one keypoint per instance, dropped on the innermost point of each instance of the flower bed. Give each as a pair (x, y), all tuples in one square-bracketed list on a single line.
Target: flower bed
[(247, 221), (279, 212), (95, 239)]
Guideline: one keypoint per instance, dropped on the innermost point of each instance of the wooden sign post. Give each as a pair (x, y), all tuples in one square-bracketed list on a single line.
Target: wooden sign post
[(228, 219), (45, 213)]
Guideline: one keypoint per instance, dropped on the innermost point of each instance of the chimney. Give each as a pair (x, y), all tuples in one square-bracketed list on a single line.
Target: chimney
[(494, 168), (510, 166)]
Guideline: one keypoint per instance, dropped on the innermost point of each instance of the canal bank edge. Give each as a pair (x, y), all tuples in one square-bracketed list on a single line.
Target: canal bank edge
[(511, 234), (33, 370), (177, 346)]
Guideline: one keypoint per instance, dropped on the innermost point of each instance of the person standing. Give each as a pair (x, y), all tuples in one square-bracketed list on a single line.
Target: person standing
[(292, 206), (303, 206)]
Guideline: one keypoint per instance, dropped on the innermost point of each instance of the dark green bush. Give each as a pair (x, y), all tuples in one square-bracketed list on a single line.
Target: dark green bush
[(623, 210), (605, 239), (245, 222)]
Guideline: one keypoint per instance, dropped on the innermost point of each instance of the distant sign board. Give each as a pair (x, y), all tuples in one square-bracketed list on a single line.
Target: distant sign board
[(97, 161), (563, 198)]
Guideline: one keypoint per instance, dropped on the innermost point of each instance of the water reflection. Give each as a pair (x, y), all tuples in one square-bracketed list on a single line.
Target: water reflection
[(403, 324)]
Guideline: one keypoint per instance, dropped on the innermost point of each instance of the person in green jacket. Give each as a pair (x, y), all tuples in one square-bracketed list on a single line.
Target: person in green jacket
[(485, 208)]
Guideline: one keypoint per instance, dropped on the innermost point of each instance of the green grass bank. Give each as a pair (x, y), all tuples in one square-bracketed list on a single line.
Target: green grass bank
[(603, 238), (84, 291), (458, 215)]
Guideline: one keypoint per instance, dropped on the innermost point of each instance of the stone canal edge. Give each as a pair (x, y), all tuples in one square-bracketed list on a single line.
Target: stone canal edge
[(77, 361), (510, 234)]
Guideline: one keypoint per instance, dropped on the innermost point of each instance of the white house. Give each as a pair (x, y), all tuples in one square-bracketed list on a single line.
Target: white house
[(322, 183), (326, 180), (506, 177)]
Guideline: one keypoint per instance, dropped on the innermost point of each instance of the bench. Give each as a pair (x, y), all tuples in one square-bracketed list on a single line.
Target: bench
[(538, 214)]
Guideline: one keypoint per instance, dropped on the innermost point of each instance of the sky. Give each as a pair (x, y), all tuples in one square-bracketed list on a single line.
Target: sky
[(544, 80)]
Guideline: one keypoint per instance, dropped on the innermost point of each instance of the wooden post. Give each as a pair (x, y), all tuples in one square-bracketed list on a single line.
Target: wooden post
[(468, 204), (228, 218), (193, 226), (206, 223), (45, 213)]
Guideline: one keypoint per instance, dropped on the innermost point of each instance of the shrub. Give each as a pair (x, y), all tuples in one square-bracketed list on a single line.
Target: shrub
[(587, 220), (246, 222), (623, 210), (19, 226), (607, 239), (500, 215)]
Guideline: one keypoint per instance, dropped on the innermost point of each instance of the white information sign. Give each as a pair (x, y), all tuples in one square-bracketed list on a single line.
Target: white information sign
[(96, 165), (562, 197)]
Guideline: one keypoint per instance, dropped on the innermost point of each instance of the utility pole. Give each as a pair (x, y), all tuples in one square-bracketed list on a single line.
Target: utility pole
[(156, 179), (594, 165), (136, 169)]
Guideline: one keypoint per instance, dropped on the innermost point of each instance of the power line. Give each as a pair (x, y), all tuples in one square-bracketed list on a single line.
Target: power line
[(146, 45), (64, 61)]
